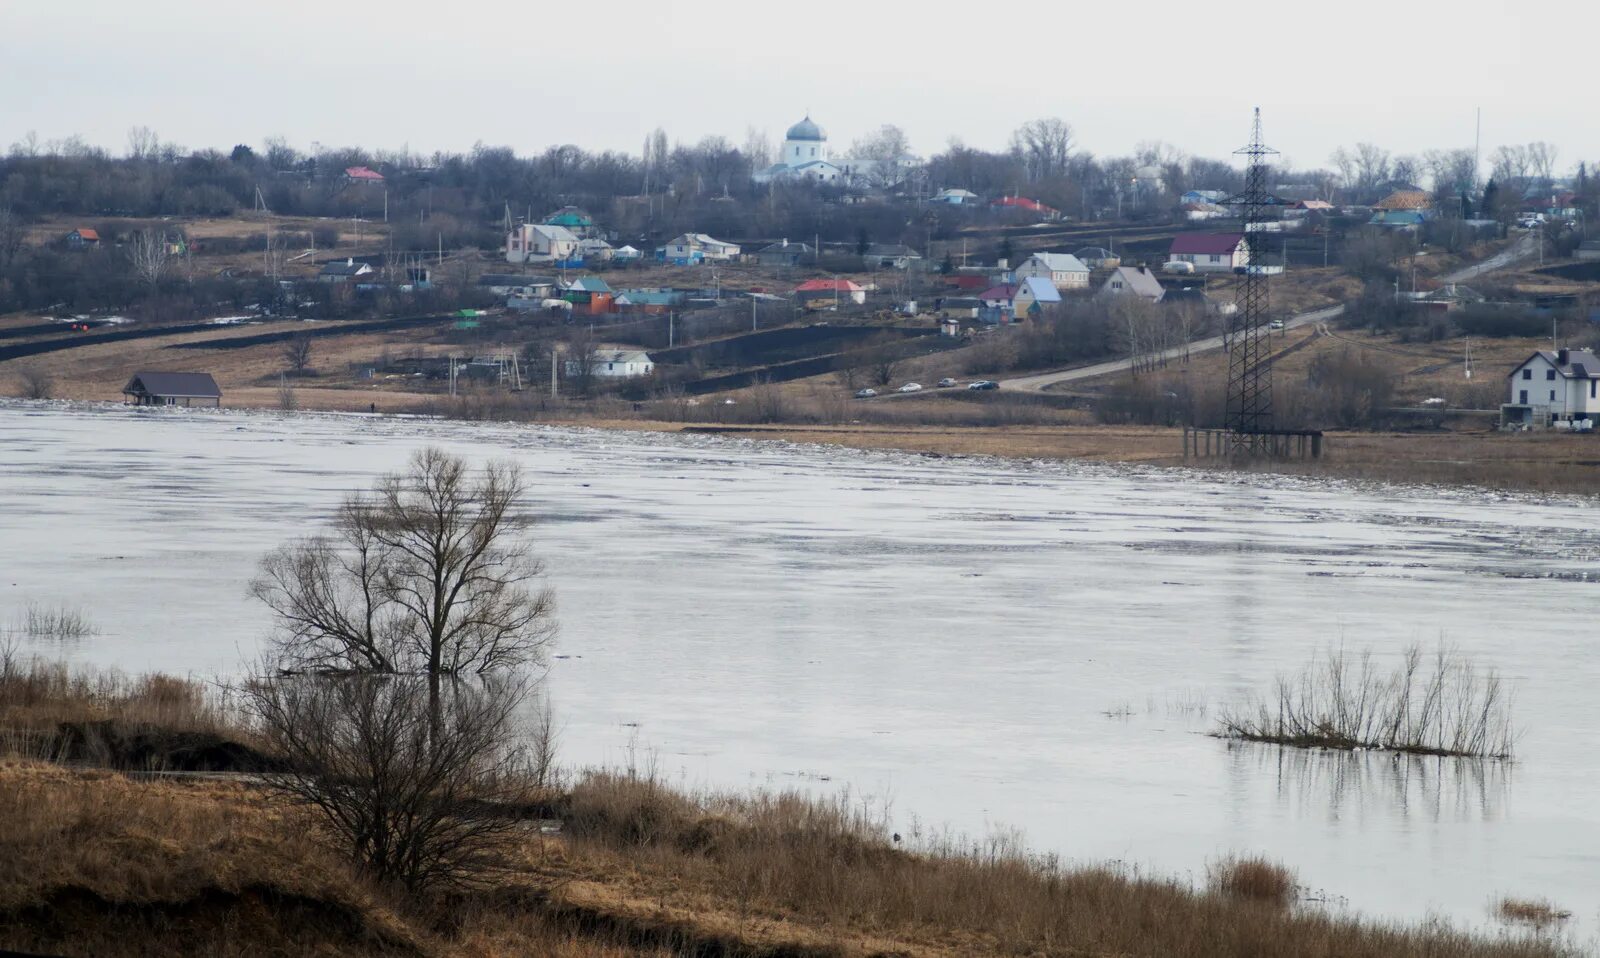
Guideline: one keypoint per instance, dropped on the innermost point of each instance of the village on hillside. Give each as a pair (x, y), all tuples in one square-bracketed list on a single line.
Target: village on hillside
[(699, 283)]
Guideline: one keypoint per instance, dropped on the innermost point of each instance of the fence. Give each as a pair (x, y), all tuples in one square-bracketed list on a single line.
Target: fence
[(1276, 444)]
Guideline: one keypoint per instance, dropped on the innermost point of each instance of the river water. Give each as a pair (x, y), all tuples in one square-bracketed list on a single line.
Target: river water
[(979, 645)]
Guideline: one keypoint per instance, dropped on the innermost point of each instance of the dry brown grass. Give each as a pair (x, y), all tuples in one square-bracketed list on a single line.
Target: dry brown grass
[(54, 712), (1253, 879), (93, 862), (829, 862)]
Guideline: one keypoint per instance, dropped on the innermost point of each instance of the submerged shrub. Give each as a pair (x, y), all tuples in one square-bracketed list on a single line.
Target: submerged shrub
[(1448, 708), (1253, 879)]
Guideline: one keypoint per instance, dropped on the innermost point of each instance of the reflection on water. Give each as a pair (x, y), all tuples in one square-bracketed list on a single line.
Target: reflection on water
[(1338, 785)]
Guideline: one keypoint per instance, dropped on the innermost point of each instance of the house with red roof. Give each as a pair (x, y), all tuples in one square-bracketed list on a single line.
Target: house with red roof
[(83, 238), (1026, 205), (362, 174), (817, 293), (1211, 252), (969, 282)]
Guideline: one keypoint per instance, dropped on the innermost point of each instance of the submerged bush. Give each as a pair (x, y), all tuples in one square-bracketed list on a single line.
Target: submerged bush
[(1449, 708), (1252, 879)]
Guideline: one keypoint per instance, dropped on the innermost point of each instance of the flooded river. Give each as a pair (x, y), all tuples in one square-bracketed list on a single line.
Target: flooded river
[(982, 645)]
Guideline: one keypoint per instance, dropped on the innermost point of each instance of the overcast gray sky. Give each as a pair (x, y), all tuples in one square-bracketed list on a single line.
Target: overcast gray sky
[(602, 73)]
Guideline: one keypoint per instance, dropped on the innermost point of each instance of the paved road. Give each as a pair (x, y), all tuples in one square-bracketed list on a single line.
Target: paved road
[(1521, 249)]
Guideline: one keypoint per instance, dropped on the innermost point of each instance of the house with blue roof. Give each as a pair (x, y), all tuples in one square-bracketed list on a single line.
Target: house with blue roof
[(1399, 219)]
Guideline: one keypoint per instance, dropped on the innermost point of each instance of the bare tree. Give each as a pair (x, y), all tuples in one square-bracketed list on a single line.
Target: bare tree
[(581, 366), (886, 361), (13, 234), (35, 382), (655, 160), (1044, 146), (143, 144), (1451, 170), (297, 353), (1372, 166), (1542, 160), (413, 788), (288, 399), (1512, 164), (150, 255), (1406, 169), (880, 153), (1345, 165), (425, 573), (758, 148)]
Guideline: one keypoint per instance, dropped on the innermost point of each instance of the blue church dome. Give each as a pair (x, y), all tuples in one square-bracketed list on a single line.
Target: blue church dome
[(806, 130)]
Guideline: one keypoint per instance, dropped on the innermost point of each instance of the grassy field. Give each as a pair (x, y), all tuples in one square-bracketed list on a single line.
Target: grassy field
[(110, 859)]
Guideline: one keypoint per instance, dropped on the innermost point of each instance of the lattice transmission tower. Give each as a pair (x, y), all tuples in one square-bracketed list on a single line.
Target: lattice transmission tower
[(1249, 411)]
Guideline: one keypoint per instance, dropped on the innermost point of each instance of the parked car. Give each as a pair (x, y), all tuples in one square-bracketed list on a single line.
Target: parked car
[(1275, 324), (1177, 266), (946, 383), (984, 384), (1529, 220), (911, 388), (866, 393)]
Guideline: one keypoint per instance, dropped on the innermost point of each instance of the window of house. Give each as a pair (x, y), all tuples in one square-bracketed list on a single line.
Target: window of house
[(1550, 374), (1522, 397), (1591, 389), (1552, 395), (1527, 374)]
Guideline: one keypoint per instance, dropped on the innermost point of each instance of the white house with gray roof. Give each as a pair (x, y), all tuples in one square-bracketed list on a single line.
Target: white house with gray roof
[(613, 364), (540, 243), (1560, 385), (1063, 270)]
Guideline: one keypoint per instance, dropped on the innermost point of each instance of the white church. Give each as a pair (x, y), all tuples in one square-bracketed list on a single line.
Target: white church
[(805, 155)]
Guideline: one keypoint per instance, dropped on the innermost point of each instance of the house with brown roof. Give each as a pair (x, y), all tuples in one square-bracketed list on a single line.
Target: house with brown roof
[(172, 389), (1405, 200), (83, 238), (1211, 252)]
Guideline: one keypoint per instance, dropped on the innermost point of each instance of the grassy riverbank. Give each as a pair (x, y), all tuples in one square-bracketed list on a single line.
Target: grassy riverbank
[(102, 857)]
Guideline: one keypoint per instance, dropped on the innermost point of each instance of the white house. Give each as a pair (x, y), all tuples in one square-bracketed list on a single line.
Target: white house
[(614, 364), (691, 248), (343, 272), (594, 249), (805, 156), (1211, 252), (1063, 270), (1133, 281), (1554, 386), (955, 197), (540, 243)]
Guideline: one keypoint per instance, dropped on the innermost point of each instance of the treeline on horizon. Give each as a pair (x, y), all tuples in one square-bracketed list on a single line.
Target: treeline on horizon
[(459, 201), (705, 186)]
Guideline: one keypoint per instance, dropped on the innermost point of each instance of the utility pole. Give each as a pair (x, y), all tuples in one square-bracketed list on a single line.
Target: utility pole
[(671, 316), (554, 353), (752, 312)]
